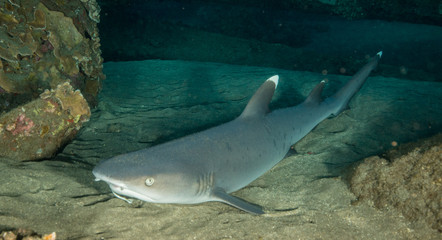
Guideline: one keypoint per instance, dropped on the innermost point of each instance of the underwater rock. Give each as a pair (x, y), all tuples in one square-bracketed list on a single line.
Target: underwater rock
[(37, 129), (408, 179), (46, 43), (25, 234)]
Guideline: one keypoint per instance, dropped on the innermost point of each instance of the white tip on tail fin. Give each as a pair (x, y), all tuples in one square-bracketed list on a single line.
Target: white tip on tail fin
[(379, 54), (274, 79)]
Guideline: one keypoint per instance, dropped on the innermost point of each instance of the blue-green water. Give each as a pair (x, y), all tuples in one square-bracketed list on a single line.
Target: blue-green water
[(150, 101)]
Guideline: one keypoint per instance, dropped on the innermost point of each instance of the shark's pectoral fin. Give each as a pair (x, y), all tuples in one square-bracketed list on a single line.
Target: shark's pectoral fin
[(220, 195)]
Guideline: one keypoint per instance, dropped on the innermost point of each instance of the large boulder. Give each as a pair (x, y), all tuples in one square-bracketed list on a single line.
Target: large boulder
[(37, 129), (46, 43), (50, 73)]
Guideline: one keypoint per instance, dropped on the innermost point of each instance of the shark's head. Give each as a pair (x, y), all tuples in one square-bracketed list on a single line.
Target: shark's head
[(154, 182)]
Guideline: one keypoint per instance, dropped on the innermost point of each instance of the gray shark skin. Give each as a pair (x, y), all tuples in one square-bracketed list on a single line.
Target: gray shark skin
[(208, 165)]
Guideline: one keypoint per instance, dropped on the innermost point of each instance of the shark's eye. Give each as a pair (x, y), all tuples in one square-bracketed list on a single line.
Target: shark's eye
[(149, 181)]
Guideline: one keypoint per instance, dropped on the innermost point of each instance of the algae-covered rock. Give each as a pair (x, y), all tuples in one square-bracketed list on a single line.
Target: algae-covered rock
[(46, 43), (411, 183), (37, 129)]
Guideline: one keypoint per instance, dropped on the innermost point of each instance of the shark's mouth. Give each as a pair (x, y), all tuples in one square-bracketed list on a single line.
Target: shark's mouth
[(118, 189), (113, 186), (122, 198), (122, 191)]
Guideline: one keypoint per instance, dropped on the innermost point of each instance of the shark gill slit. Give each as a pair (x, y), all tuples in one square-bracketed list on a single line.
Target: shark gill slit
[(205, 184)]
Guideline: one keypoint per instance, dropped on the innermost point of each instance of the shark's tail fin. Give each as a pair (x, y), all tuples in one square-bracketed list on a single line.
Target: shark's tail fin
[(341, 98)]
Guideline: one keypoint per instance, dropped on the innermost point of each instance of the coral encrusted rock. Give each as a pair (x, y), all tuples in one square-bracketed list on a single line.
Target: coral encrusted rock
[(46, 43), (410, 181), (37, 129), (50, 73)]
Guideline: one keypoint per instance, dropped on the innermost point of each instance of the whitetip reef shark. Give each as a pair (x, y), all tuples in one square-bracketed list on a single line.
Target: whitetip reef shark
[(208, 165)]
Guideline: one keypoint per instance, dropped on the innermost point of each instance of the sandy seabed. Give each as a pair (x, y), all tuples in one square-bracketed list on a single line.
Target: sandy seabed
[(305, 196)]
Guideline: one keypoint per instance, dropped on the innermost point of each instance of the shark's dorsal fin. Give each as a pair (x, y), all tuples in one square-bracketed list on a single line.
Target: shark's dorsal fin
[(315, 95), (259, 103)]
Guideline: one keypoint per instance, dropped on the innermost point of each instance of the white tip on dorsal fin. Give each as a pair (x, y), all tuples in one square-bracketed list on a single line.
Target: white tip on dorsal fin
[(259, 103), (274, 79)]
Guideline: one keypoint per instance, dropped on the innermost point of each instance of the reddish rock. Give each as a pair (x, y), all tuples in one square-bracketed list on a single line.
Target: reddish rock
[(37, 129)]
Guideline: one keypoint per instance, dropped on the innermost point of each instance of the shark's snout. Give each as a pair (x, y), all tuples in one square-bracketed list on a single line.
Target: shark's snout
[(98, 176)]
